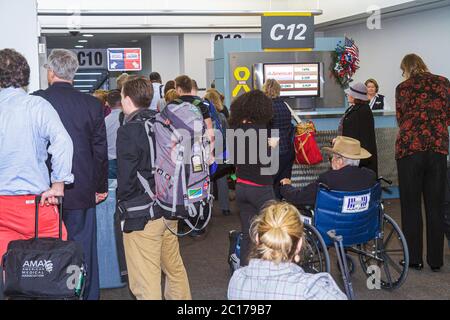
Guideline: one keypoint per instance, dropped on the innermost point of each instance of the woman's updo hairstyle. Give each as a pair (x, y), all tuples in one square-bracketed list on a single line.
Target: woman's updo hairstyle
[(276, 232)]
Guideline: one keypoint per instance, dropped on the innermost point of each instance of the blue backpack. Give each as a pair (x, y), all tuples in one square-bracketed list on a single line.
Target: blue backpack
[(217, 125)]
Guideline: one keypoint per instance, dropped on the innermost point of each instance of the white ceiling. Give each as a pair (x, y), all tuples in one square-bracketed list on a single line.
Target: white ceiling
[(106, 16)]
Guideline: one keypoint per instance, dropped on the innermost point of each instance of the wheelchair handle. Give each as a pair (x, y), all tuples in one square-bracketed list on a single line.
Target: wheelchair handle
[(323, 185), (385, 180)]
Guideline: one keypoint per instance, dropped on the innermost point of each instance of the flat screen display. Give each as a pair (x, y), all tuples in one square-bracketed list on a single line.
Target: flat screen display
[(296, 79)]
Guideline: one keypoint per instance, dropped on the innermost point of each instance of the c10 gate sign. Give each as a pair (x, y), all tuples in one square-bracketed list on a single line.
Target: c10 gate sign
[(287, 32)]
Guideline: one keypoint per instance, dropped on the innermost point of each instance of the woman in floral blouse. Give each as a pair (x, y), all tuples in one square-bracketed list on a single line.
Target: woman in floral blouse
[(422, 106)]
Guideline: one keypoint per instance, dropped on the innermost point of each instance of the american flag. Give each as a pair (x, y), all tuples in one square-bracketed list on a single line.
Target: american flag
[(351, 48)]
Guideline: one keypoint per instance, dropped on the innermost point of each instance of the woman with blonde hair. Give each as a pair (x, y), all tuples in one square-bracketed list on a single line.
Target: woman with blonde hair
[(282, 121), (272, 274), (170, 96), (422, 107)]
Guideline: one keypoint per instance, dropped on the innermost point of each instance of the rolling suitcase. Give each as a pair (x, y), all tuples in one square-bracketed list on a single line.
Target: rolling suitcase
[(44, 268)]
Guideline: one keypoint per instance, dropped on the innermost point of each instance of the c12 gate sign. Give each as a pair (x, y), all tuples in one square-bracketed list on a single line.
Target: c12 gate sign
[(124, 59), (287, 32)]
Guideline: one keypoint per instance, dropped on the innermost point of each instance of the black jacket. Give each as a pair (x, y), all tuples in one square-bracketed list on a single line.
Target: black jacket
[(84, 120), (133, 155), (358, 123), (348, 178), (378, 104)]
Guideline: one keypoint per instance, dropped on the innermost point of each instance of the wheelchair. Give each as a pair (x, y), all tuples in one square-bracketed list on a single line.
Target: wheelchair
[(355, 222)]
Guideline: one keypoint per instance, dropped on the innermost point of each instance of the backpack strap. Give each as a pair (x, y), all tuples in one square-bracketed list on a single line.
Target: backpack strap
[(161, 91)]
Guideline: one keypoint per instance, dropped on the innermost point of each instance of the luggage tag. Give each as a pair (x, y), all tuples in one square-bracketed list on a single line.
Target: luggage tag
[(196, 159), (197, 165)]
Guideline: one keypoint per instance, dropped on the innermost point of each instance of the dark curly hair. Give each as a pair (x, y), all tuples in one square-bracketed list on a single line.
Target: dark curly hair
[(253, 106), (14, 69)]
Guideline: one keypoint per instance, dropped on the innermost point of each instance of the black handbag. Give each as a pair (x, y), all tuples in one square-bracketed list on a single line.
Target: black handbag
[(44, 268)]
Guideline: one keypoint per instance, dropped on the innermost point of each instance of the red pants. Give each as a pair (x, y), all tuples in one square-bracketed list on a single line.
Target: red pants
[(17, 220)]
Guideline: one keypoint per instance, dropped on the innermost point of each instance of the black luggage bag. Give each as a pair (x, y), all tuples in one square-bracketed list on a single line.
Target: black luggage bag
[(44, 268)]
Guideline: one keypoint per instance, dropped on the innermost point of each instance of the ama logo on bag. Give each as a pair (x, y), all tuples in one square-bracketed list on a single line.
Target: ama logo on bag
[(36, 268)]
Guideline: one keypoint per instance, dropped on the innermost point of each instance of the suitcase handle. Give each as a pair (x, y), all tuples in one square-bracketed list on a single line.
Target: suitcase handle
[(37, 200)]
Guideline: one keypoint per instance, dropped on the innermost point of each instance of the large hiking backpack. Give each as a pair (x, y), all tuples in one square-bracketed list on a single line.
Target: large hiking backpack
[(181, 166), (142, 206)]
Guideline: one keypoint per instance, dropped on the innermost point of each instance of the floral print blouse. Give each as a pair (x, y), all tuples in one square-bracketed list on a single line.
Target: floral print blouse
[(423, 115)]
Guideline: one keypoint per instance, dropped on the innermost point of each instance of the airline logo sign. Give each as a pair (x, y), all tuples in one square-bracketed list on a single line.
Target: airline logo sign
[(125, 59)]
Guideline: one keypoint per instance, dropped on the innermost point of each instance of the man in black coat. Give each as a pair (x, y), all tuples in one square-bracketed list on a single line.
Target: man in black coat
[(83, 118), (344, 176)]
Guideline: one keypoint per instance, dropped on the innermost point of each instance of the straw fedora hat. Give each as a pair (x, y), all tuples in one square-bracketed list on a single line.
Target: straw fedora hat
[(348, 148)]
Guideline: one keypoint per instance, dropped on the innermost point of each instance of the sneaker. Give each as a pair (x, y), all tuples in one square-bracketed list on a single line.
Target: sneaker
[(226, 212)]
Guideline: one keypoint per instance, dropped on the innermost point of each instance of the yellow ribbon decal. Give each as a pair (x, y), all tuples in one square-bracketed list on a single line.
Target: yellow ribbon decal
[(242, 80)]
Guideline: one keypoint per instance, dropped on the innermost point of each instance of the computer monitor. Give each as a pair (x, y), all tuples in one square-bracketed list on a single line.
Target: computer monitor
[(296, 79)]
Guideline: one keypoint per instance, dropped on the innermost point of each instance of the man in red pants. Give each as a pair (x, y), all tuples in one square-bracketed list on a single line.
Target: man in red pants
[(27, 125)]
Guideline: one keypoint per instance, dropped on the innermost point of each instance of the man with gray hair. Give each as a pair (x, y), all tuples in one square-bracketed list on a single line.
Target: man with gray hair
[(345, 174), (82, 116)]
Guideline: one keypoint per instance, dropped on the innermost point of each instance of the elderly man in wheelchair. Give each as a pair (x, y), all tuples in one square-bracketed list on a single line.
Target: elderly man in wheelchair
[(343, 208)]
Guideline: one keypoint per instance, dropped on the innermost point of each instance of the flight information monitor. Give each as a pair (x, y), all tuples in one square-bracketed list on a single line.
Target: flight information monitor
[(296, 79)]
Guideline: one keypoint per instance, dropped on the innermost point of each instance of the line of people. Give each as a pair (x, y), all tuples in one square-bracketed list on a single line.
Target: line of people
[(85, 148)]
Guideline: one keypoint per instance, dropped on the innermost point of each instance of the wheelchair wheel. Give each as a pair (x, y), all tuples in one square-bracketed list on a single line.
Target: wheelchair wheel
[(388, 254), (314, 255)]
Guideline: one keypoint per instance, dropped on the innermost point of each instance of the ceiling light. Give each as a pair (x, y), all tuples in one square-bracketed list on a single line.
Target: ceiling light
[(83, 86), (88, 74), (88, 35), (82, 41), (79, 47), (134, 41), (85, 80)]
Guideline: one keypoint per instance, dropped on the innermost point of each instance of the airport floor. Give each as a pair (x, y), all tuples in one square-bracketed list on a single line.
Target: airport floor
[(206, 263)]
